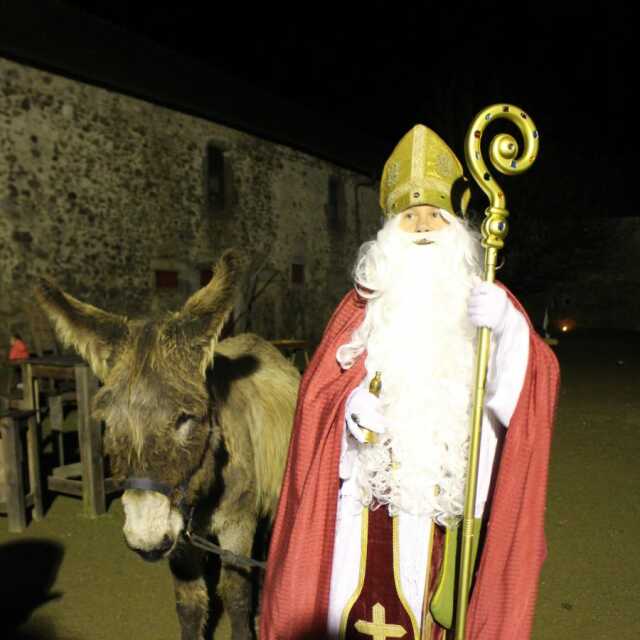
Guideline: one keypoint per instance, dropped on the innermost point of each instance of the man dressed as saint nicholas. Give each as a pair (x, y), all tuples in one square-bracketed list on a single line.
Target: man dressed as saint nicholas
[(364, 539)]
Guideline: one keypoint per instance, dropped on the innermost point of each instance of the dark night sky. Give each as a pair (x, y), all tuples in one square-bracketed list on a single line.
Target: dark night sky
[(381, 66)]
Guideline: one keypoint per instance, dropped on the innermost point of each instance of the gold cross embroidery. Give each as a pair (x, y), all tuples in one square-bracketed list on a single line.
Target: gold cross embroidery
[(377, 628)]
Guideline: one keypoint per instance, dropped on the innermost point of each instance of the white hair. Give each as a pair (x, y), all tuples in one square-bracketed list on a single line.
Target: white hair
[(373, 273), (417, 333)]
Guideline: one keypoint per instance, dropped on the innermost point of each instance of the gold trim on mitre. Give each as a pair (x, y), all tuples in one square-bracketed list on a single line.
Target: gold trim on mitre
[(423, 170)]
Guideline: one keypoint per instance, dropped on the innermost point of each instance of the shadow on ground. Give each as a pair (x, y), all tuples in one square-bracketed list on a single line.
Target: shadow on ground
[(29, 572)]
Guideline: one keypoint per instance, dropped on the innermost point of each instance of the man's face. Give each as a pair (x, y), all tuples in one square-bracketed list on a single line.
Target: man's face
[(421, 218)]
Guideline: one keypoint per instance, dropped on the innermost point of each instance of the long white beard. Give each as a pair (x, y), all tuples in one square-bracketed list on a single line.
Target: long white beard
[(417, 334)]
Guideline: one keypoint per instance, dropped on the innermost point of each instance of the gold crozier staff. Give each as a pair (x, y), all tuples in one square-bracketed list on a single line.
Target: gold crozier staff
[(503, 152)]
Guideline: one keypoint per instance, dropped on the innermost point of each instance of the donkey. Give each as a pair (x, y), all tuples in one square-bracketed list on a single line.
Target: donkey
[(197, 430)]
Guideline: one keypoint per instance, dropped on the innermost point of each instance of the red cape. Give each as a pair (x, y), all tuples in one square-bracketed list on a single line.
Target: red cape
[(295, 597)]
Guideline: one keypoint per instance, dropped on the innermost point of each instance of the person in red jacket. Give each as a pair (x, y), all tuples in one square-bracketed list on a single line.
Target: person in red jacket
[(377, 461), (18, 349)]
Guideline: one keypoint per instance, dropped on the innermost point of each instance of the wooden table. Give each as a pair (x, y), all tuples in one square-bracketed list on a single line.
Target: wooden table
[(93, 487)]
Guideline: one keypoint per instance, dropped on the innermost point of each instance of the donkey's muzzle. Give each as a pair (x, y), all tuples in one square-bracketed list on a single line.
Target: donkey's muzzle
[(155, 554)]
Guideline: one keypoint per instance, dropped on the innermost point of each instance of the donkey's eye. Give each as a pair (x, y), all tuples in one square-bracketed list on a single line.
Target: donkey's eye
[(183, 418)]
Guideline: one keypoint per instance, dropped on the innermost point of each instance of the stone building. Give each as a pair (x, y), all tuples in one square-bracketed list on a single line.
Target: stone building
[(125, 169), (126, 204)]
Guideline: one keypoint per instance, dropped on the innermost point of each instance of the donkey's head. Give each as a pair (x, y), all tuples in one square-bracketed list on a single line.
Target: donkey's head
[(161, 433)]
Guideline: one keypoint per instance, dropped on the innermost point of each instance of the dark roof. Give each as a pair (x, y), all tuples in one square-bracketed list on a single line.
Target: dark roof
[(56, 37)]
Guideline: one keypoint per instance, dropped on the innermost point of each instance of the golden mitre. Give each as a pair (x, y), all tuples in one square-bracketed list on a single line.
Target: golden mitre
[(423, 170)]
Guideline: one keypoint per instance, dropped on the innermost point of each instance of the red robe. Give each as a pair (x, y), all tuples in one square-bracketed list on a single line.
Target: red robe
[(295, 597)]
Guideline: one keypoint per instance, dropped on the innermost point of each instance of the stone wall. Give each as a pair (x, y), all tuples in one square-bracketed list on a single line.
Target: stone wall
[(100, 191)]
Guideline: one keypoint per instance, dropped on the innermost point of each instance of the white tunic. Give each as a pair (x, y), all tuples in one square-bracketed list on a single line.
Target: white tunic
[(507, 368)]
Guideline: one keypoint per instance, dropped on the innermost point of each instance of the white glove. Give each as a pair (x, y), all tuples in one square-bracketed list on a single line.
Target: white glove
[(488, 306), (363, 412)]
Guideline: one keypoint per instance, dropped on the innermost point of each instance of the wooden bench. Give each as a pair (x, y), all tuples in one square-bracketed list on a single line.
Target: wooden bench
[(57, 401), (17, 499)]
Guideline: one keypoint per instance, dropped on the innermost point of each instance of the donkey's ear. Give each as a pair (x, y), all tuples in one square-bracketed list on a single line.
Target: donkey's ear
[(93, 333), (211, 305), (207, 309)]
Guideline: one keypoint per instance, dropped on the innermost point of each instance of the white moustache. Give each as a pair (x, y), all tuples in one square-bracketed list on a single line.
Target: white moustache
[(422, 238), (442, 237)]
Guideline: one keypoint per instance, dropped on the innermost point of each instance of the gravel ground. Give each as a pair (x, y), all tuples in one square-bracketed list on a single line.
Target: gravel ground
[(100, 590), (589, 582)]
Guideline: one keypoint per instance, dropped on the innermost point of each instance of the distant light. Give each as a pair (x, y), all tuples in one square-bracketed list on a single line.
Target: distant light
[(565, 325)]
